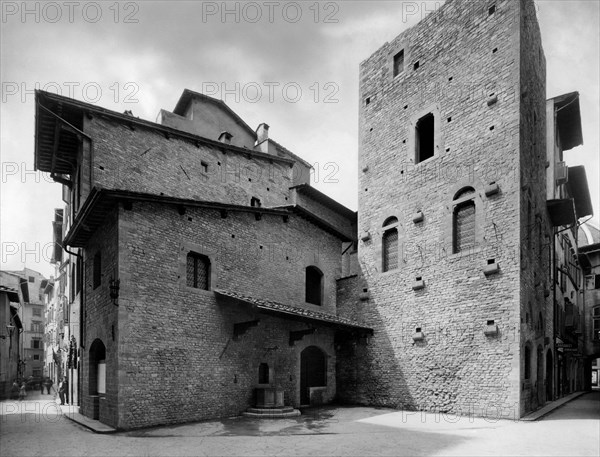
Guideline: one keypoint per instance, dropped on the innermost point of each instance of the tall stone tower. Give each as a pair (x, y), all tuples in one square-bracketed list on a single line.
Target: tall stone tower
[(452, 218)]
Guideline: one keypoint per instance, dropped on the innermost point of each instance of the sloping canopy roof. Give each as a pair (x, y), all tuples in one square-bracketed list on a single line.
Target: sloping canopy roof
[(579, 190), (568, 120), (293, 313)]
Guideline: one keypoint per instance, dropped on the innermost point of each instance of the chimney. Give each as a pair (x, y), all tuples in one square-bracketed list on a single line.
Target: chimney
[(262, 137), (225, 137)]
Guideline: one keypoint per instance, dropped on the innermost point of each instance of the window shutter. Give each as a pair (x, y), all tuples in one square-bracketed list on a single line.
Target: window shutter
[(390, 250), (464, 227)]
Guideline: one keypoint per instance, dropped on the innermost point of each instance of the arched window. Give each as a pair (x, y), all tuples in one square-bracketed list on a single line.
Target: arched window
[(527, 373), (463, 223), (314, 286), (389, 244), (198, 271)]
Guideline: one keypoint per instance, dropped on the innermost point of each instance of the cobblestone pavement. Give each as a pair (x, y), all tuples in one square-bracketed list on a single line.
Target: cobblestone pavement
[(37, 427)]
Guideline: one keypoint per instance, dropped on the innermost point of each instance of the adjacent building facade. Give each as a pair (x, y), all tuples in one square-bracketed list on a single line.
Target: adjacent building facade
[(30, 286), (203, 268)]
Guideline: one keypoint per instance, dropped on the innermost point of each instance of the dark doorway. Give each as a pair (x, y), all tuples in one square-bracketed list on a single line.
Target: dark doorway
[(97, 357), (549, 376), (313, 372)]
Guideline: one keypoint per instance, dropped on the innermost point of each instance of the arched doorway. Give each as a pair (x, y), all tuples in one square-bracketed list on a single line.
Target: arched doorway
[(549, 376), (97, 368), (313, 372)]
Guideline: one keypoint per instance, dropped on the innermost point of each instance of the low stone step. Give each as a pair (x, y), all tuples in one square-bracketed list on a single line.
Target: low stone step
[(271, 413)]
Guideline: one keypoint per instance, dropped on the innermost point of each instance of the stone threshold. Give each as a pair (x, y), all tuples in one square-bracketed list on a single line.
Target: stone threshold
[(71, 412), (551, 407)]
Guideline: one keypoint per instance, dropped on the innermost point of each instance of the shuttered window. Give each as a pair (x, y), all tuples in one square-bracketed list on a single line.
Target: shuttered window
[(464, 220), (390, 249), (464, 227), (198, 271)]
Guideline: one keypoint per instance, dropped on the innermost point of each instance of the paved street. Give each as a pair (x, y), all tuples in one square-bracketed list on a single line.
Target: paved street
[(36, 427)]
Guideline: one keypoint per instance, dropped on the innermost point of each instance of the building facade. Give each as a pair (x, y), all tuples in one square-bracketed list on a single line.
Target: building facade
[(209, 264), (10, 339), (204, 268), (30, 285)]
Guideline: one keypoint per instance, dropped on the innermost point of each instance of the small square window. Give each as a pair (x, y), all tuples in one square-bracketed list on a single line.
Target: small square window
[(204, 167), (492, 10), (255, 202), (31, 279), (416, 65)]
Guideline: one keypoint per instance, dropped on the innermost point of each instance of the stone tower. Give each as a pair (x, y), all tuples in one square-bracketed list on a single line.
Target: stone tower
[(452, 220)]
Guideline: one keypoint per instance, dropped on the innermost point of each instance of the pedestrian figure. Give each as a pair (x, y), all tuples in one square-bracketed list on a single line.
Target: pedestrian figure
[(14, 390), (22, 392), (42, 386), (63, 391), (48, 384)]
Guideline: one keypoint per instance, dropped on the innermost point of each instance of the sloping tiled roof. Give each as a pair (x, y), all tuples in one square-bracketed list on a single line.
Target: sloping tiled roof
[(294, 312), (13, 294)]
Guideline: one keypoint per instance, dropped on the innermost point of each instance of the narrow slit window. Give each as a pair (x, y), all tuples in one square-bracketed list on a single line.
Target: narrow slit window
[(399, 63), (97, 270), (389, 244), (464, 220), (424, 138)]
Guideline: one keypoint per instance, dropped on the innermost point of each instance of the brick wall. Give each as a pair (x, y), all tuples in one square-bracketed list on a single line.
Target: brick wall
[(535, 229), (469, 77), (144, 160), (101, 319), (178, 360)]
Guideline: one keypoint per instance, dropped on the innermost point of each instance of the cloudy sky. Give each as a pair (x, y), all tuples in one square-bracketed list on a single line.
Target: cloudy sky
[(293, 65)]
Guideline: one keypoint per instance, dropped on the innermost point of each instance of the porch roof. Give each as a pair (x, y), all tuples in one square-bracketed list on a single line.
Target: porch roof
[(293, 312)]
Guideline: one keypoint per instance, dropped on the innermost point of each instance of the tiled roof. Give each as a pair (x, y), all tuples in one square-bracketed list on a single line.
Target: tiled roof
[(294, 312), (13, 294)]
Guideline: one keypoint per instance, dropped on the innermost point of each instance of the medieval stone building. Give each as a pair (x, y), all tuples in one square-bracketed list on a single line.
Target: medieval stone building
[(456, 241), (211, 271)]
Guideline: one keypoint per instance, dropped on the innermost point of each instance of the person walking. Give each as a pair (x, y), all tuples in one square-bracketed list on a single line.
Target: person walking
[(63, 391), (48, 383), (42, 382), (22, 392), (14, 390)]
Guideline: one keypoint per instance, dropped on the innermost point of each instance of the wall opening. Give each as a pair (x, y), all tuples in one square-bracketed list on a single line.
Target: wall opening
[(263, 373), (313, 372), (399, 63), (314, 286), (425, 138), (198, 271)]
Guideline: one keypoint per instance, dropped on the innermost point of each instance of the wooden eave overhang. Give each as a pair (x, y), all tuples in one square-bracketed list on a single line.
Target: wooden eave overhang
[(59, 132)]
